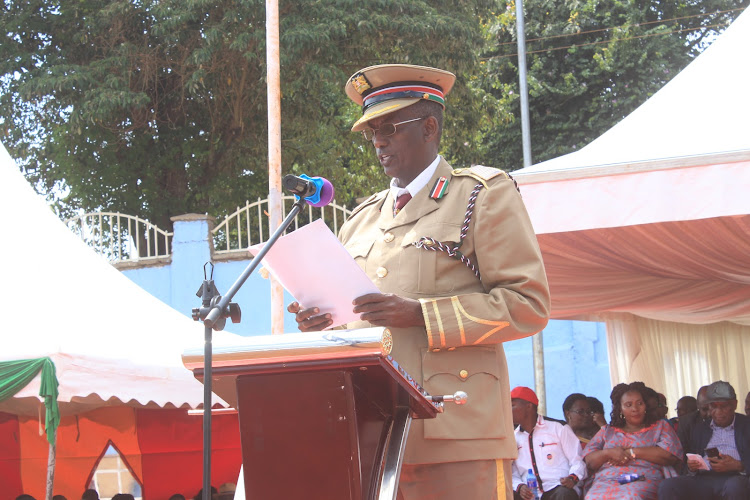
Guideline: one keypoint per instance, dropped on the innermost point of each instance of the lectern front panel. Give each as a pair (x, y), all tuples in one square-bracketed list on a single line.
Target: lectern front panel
[(323, 416), (280, 411)]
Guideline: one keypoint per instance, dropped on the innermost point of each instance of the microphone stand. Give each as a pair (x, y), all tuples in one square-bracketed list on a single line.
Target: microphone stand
[(214, 312)]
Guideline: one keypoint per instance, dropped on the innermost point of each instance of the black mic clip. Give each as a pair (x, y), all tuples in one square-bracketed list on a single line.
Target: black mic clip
[(300, 186)]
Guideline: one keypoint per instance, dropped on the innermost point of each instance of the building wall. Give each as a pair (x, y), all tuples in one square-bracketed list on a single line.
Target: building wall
[(575, 360), (575, 352)]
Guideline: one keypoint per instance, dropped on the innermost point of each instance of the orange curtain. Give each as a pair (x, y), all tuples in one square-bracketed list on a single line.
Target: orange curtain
[(162, 448), (81, 441), (171, 442), (10, 454)]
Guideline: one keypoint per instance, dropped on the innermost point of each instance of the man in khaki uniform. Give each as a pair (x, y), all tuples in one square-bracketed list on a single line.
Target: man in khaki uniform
[(459, 271)]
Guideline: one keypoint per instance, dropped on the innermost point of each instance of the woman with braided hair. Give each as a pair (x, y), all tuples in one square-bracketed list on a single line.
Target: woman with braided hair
[(634, 442)]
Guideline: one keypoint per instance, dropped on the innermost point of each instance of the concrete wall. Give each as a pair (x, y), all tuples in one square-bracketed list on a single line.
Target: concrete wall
[(575, 352), (575, 360)]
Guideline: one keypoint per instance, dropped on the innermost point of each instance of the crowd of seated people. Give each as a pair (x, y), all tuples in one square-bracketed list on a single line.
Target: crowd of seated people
[(702, 454)]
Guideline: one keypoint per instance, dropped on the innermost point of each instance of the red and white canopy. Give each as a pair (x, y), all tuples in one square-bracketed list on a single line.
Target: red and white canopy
[(653, 217)]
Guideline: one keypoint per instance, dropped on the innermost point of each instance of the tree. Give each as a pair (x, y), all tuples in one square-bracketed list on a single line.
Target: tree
[(590, 63), (158, 107)]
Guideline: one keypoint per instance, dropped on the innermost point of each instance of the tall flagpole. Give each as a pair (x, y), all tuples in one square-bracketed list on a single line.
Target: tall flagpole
[(273, 83), (537, 342)]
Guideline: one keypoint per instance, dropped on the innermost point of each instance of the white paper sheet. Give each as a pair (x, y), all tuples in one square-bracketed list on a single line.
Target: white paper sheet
[(316, 269), (703, 465)]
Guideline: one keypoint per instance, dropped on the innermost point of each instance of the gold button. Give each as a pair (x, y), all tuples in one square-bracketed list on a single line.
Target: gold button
[(388, 237), (382, 272), (463, 374)]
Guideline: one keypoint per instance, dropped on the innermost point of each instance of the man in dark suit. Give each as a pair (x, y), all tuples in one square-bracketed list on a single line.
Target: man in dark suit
[(689, 421), (721, 474)]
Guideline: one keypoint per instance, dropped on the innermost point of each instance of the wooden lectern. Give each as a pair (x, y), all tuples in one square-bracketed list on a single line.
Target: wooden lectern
[(322, 415)]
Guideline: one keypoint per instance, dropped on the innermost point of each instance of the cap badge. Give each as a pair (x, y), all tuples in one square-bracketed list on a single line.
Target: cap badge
[(360, 83)]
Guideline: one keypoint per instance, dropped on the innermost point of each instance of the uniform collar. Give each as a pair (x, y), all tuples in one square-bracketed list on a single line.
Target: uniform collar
[(420, 205), (418, 183)]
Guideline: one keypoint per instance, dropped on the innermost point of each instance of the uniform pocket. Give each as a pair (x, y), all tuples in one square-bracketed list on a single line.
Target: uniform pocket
[(359, 250), (427, 271), (476, 371)]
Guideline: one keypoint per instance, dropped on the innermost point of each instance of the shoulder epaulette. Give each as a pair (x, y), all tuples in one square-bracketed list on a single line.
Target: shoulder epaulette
[(369, 201), (480, 173)]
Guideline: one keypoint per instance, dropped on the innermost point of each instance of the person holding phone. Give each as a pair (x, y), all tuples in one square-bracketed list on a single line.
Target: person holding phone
[(723, 446)]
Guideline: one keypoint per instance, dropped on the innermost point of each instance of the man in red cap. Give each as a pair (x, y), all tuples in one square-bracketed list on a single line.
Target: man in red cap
[(457, 263), (546, 447)]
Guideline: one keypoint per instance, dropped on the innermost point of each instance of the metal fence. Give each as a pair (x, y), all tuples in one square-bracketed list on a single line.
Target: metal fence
[(127, 238), (249, 225), (121, 237)]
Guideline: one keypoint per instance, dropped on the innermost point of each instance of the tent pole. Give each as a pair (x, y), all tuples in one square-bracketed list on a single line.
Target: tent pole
[(51, 458), (537, 340), (273, 86)]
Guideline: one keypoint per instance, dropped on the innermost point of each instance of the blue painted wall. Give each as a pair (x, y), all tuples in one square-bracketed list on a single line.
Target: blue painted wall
[(575, 360), (575, 352)]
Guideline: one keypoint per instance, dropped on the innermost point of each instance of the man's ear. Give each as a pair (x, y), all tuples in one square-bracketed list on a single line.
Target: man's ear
[(430, 129)]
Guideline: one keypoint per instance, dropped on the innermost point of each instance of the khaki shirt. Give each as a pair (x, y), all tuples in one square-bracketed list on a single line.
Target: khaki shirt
[(466, 318)]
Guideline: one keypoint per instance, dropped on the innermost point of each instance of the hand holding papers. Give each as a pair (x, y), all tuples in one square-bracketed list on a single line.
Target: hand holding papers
[(700, 463), (317, 270)]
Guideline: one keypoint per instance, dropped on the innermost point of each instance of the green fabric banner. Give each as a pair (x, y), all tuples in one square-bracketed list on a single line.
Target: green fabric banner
[(15, 375)]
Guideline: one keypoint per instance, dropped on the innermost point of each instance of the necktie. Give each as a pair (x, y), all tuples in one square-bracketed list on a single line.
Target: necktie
[(400, 202)]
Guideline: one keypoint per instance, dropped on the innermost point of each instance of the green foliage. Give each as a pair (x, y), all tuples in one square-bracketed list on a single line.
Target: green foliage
[(589, 63), (158, 107)]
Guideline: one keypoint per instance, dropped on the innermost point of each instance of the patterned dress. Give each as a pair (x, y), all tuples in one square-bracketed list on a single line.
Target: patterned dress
[(605, 485)]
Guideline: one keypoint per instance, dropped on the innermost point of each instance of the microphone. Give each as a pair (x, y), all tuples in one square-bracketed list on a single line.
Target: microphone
[(317, 191)]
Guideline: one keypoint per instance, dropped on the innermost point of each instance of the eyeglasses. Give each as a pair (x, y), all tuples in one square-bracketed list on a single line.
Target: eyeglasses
[(385, 129), (583, 412)]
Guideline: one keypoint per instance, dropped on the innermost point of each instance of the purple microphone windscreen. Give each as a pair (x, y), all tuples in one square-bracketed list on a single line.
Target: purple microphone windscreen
[(326, 193)]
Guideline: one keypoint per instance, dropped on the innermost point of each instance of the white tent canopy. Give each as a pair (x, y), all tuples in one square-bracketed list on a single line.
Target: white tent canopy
[(111, 341), (648, 227), (702, 111), (652, 217)]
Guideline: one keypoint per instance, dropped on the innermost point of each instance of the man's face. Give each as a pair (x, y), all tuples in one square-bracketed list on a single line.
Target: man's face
[(684, 406), (404, 154), (722, 412), (519, 409), (747, 404)]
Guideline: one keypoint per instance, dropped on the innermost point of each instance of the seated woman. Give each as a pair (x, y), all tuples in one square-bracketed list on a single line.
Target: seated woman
[(579, 417), (634, 443)]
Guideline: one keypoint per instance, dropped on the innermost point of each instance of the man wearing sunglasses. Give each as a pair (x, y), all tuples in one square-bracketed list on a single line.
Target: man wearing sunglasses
[(459, 269)]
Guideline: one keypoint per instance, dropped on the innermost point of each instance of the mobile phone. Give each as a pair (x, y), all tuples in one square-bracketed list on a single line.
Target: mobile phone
[(712, 452)]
